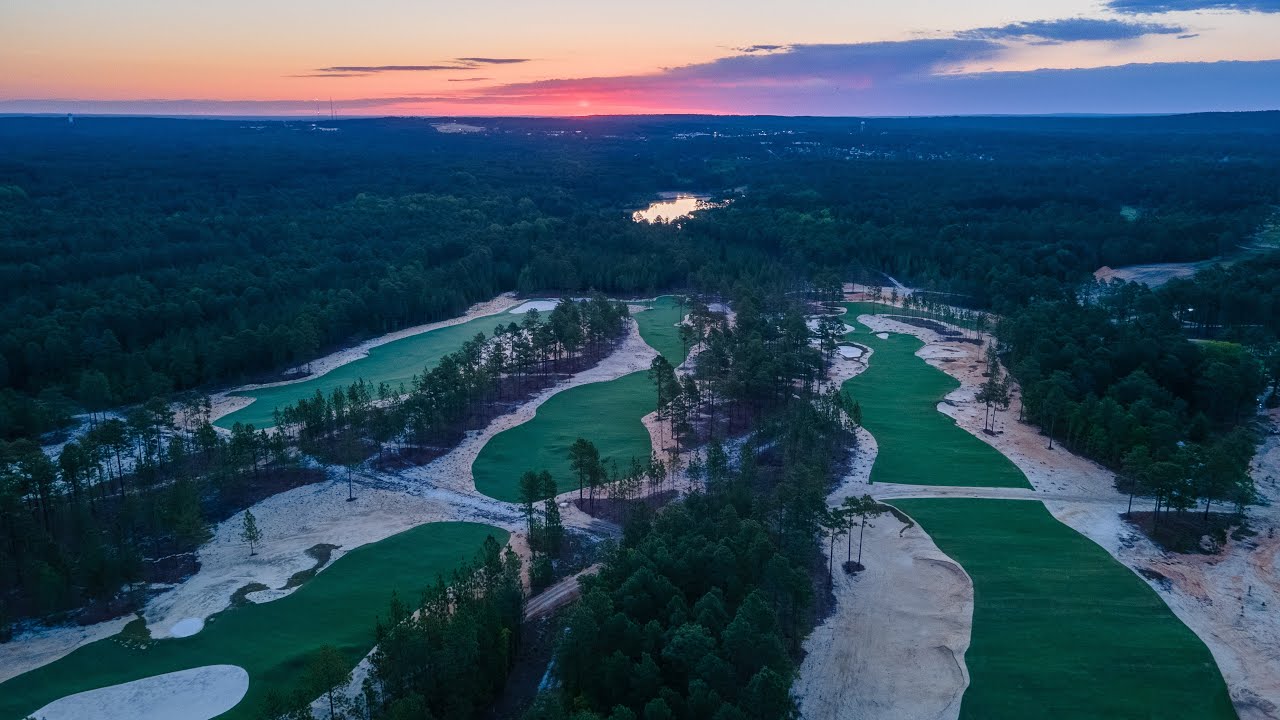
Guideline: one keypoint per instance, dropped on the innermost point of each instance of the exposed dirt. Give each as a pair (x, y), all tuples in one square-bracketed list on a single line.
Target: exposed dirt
[(558, 595)]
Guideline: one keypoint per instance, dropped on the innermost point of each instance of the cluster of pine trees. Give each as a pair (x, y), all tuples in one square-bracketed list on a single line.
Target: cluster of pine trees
[(1116, 378), (462, 391), (127, 493), (700, 611), (449, 656)]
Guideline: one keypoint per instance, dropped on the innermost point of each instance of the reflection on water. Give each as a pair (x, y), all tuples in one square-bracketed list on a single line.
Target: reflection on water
[(675, 206)]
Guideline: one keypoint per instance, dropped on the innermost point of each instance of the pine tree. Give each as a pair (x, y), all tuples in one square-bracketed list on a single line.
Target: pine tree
[(326, 672), (250, 532)]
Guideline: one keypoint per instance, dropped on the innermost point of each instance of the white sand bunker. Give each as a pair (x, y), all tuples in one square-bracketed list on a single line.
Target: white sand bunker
[(539, 305), (196, 694), (850, 352), (883, 336), (186, 627)]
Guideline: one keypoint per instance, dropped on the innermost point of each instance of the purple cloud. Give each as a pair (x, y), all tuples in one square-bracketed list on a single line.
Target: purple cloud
[(1071, 30)]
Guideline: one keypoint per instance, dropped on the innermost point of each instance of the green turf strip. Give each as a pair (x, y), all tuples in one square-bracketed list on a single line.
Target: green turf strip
[(899, 394), (658, 327), (607, 413), (272, 641), (1062, 630), (394, 363)]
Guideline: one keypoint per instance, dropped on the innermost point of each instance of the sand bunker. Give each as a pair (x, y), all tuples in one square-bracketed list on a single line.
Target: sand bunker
[(883, 335), (186, 627), (894, 646), (195, 694), (539, 305), (850, 352)]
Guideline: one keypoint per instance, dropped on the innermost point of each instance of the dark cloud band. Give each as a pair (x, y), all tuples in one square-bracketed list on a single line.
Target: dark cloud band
[(1154, 7)]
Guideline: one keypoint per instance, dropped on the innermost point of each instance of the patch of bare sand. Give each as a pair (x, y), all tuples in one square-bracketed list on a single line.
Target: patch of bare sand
[(195, 694), (894, 645), (224, 403), (1230, 600)]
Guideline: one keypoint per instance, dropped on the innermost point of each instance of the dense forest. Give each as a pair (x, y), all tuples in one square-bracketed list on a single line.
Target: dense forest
[(144, 256), (146, 262)]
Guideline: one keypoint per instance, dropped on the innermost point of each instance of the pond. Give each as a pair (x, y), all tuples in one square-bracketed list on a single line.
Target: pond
[(675, 206)]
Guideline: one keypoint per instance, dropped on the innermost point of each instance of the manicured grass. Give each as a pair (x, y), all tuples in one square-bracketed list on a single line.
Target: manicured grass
[(394, 363), (275, 640), (608, 414), (899, 394), (658, 327), (1062, 630)]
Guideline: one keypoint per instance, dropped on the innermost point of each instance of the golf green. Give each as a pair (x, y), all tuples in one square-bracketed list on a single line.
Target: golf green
[(1060, 628), (899, 394), (394, 363), (607, 413), (272, 641)]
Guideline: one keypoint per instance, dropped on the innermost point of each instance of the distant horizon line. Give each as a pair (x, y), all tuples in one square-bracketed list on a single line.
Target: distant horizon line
[(336, 118)]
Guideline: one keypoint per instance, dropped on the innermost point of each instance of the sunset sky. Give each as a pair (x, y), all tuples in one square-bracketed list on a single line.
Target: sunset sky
[(576, 57)]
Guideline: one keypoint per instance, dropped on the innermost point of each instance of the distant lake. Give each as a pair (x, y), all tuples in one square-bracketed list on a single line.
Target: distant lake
[(675, 206)]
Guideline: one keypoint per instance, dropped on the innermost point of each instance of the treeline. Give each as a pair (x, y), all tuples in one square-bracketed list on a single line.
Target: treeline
[(129, 501), (1238, 302), (1115, 378), (462, 391), (701, 610)]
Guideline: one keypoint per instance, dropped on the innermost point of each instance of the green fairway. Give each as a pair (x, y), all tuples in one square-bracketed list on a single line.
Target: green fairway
[(899, 394), (608, 414), (272, 641), (1062, 630), (394, 363), (658, 327)]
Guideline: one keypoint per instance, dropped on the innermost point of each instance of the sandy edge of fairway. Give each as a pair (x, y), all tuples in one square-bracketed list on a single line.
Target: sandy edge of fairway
[(894, 645), (1230, 600), (295, 520), (196, 694), (224, 402)]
